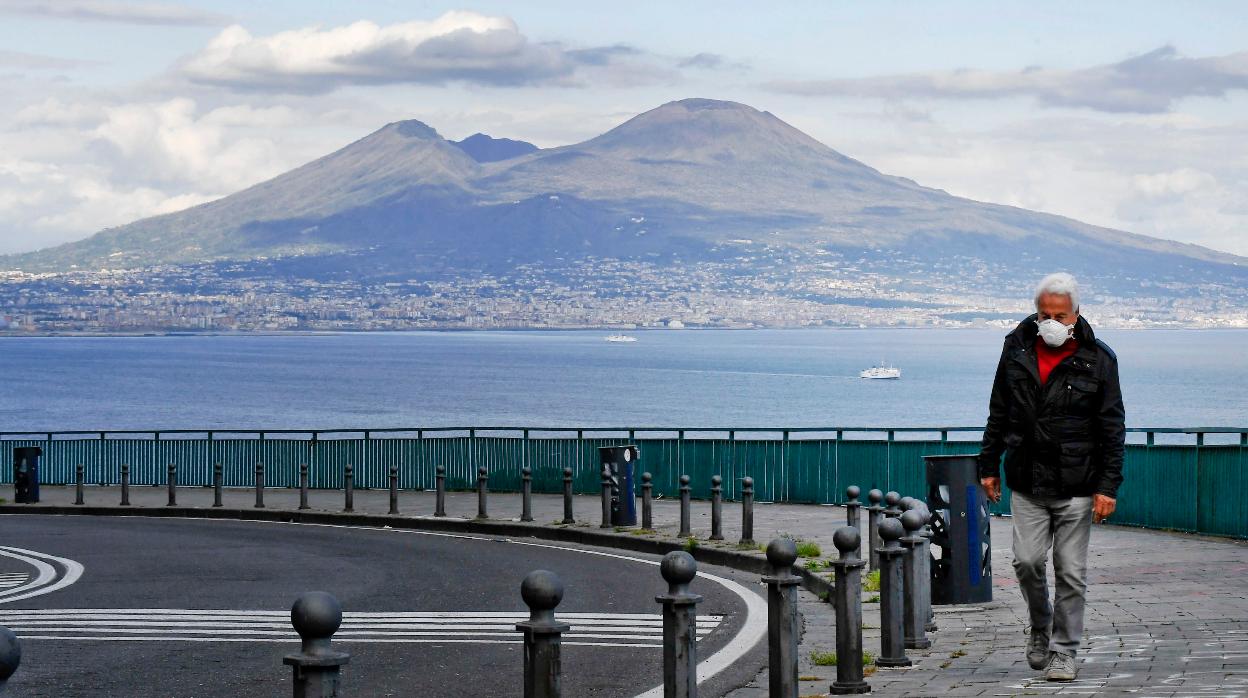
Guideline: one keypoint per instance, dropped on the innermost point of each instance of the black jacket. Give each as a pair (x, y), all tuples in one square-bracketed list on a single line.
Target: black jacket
[(1062, 439)]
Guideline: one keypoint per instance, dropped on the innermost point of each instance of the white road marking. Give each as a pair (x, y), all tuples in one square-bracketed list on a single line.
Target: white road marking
[(47, 581), (17, 579)]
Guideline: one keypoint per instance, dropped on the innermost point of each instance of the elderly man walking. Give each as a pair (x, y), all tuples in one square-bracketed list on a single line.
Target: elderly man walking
[(1056, 415)]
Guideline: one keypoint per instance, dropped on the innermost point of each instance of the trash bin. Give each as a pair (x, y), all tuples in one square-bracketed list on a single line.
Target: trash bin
[(621, 460), (26, 474), (960, 534)]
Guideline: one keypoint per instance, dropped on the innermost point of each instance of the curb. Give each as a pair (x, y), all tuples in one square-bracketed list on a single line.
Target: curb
[(811, 581)]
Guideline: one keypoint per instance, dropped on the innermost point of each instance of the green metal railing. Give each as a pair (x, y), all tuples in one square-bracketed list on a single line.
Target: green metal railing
[(1198, 486)]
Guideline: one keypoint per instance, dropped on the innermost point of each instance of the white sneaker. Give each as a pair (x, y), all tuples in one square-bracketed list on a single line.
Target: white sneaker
[(1061, 668)]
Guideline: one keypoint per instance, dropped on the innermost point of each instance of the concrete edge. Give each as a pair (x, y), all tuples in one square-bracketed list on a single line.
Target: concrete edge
[(812, 581)]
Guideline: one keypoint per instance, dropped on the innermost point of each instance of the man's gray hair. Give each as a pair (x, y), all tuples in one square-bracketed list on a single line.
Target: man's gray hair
[(1061, 284)]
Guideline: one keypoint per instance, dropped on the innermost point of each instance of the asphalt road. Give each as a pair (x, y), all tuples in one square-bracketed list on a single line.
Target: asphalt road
[(442, 602)]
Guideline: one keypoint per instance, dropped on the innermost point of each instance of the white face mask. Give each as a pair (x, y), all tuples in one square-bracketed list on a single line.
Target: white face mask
[(1055, 333)]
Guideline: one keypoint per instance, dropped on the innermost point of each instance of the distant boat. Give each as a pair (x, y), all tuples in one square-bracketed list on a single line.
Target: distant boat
[(621, 338), (882, 371)]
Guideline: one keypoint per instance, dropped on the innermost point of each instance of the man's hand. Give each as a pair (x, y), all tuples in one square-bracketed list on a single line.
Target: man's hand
[(1102, 507), (992, 488)]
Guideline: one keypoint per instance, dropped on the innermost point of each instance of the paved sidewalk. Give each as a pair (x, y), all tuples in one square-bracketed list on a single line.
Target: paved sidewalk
[(1167, 613)]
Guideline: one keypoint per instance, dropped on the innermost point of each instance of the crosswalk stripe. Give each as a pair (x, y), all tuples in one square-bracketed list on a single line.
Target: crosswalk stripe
[(345, 615), (415, 641)]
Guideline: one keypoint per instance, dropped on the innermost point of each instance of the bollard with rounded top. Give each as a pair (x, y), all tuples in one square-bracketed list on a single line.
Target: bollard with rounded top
[(925, 562), (542, 591), (567, 496), (217, 481), (848, 570), (316, 616), (782, 619), (10, 655), (906, 504), (915, 615), (853, 512), (303, 486), (747, 511), (172, 482), (125, 485), (483, 490), (875, 514), (717, 508), (892, 601), (394, 490), (78, 478), (647, 501), (348, 488), (607, 483), (259, 485), (680, 633), (526, 493), (685, 493), (892, 501), (439, 500)]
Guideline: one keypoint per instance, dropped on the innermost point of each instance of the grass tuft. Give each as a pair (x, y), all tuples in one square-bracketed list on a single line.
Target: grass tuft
[(871, 582), (807, 548), (829, 658), (691, 544)]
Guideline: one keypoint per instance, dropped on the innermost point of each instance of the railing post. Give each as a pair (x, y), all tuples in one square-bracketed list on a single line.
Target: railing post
[(303, 486), (892, 601), (542, 591), (680, 632), (259, 485), (685, 491), (316, 616), (10, 655), (483, 484), (717, 508), (747, 511), (853, 511), (125, 484), (567, 496), (647, 501), (848, 570), (915, 614), (78, 477), (217, 478), (172, 482), (348, 488), (394, 490), (1151, 437), (782, 619), (606, 498), (526, 492), (439, 501), (874, 515)]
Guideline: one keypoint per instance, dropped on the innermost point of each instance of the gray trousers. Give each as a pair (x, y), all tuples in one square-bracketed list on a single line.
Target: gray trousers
[(1065, 525)]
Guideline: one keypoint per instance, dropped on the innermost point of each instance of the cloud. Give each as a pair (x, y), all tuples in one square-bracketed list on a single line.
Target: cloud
[(455, 47), (35, 61), (1148, 83), (160, 13)]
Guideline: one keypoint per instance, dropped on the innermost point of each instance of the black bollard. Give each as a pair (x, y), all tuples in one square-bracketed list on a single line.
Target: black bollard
[(125, 485), (892, 601), (892, 500), (259, 485), (747, 511), (853, 512), (685, 491), (348, 488), (526, 494), (316, 616), (483, 490), (875, 513), (717, 508), (647, 501), (782, 619), (606, 498), (915, 614), (10, 655), (172, 483), (542, 591), (925, 573), (680, 632), (78, 477), (439, 498), (848, 569), (217, 481), (394, 490), (303, 486), (567, 496)]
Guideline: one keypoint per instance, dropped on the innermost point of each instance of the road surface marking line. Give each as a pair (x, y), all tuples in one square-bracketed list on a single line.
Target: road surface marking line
[(419, 641), (73, 571)]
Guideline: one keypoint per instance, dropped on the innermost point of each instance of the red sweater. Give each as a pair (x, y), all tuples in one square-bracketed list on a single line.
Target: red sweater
[(1047, 357)]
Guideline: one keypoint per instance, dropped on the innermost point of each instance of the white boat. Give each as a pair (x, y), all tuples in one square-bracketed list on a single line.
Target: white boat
[(621, 338), (882, 371)]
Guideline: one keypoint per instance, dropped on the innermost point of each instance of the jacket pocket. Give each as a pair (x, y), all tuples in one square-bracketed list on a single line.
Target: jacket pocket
[(1076, 465)]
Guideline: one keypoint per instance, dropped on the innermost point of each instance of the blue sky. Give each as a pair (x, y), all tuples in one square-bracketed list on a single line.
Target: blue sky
[(1125, 115)]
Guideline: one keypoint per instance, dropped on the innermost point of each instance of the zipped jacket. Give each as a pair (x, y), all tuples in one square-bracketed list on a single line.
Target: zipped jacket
[(1061, 439)]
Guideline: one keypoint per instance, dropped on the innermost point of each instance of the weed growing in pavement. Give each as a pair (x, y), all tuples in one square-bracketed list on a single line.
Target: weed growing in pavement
[(808, 548), (873, 599), (871, 582), (691, 544), (829, 658)]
